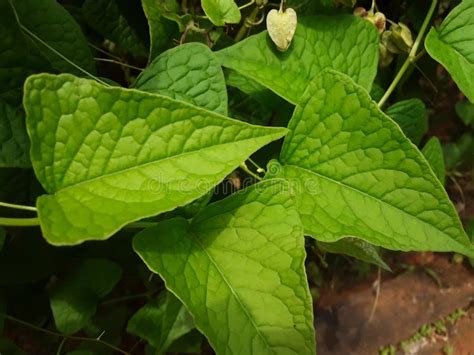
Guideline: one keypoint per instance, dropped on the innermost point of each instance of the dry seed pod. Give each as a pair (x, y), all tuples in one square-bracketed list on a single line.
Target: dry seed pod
[(281, 26)]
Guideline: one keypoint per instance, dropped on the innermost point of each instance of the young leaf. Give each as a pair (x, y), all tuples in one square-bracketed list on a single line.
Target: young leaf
[(356, 248), (74, 300), (161, 321), (121, 21), (110, 156), (433, 153), (452, 45), (53, 24), (190, 73), (239, 269), (160, 27), (412, 118), (465, 111), (357, 175), (344, 43), (221, 12), (14, 142)]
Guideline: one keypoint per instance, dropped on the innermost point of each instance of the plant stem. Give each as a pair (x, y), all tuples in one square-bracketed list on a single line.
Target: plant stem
[(247, 5), (245, 27), (50, 332), (119, 63), (412, 56), (259, 168), (18, 207), (19, 222), (244, 167), (128, 298)]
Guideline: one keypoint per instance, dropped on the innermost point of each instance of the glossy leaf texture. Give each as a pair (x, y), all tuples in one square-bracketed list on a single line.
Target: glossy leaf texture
[(74, 300), (433, 153), (109, 156), (161, 321), (452, 45), (121, 21), (356, 248), (190, 73), (344, 43), (221, 12), (160, 27), (412, 118), (14, 142), (239, 269), (356, 174), (53, 25)]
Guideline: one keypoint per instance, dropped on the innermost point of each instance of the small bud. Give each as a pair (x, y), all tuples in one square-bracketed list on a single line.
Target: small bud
[(360, 12), (385, 56), (261, 3), (281, 27), (379, 21), (399, 39)]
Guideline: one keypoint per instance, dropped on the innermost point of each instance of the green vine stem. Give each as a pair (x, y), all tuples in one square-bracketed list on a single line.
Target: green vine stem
[(64, 336), (19, 222), (244, 167), (412, 56), (245, 26), (18, 207)]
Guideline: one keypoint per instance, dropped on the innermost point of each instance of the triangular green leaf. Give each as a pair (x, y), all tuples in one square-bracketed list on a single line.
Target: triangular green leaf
[(190, 73), (221, 12), (161, 321), (239, 269), (356, 174), (452, 45), (110, 156), (356, 248), (344, 43), (412, 118), (53, 24), (433, 152), (74, 300), (14, 142)]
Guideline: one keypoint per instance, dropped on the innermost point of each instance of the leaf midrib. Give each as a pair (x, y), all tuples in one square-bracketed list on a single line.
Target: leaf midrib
[(158, 161), (380, 201), (233, 292)]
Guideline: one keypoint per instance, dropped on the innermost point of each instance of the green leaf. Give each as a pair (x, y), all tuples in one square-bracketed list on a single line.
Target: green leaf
[(190, 73), (221, 12), (357, 175), (19, 57), (161, 29), (412, 118), (452, 45), (433, 153), (344, 43), (465, 111), (14, 142), (74, 300), (239, 269), (161, 321), (110, 156), (459, 152), (356, 248), (121, 21), (53, 24)]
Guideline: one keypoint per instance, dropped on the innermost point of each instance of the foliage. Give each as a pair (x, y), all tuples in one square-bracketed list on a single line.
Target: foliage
[(139, 128)]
